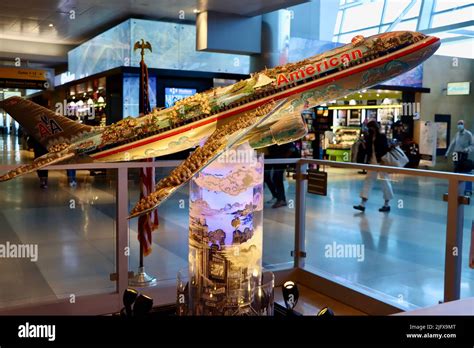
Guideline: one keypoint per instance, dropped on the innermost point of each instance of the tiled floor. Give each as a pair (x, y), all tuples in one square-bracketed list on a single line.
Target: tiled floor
[(74, 228)]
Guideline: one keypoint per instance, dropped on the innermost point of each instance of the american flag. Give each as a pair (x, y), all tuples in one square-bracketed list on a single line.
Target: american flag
[(149, 222)]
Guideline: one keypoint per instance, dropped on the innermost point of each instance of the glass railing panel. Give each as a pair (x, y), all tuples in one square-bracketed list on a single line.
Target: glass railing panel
[(57, 242), (397, 256), (467, 267), (169, 243), (279, 221)]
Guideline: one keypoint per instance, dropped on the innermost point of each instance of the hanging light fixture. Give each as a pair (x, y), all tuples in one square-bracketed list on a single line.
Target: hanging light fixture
[(101, 99)]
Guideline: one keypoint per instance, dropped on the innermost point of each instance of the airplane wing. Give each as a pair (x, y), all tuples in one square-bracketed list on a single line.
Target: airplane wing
[(40, 162), (223, 138)]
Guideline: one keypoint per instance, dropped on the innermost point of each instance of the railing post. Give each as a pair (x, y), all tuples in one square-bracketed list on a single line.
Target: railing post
[(454, 230), (300, 214), (122, 230)]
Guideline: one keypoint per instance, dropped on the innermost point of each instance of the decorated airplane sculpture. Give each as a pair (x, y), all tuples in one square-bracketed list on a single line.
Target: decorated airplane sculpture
[(264, 109)]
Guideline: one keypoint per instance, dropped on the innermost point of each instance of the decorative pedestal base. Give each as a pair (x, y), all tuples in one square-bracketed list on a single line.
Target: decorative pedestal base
[(142, 279)]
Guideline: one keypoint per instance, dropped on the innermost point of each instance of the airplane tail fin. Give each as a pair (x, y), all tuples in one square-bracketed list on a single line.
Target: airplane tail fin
[(47, 127)]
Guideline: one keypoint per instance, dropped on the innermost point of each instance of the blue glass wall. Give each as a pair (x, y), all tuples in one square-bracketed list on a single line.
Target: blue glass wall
[(174, 47), (106, 51)]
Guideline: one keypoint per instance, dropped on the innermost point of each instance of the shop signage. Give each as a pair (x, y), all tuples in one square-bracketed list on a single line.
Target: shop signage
[(427, 142), (319, 67), (24, 84), (317, 182), (23, 74), (458, 88)]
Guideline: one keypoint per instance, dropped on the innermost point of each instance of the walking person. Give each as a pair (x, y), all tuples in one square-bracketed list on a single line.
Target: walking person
[(71, 173), (460, 148), (274, 174), (376, 147)]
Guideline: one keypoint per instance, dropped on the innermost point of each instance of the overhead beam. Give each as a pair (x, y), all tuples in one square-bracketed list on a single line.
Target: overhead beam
[(457, 38), (400, 17), (448, 27), (353, 4), (424, 19), (34, 51)]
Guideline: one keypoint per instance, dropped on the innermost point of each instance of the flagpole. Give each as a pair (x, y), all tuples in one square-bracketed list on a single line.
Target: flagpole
[(145, 224)]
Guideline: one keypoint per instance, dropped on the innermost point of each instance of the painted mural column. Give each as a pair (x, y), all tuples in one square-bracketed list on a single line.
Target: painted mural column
[(225, 235)]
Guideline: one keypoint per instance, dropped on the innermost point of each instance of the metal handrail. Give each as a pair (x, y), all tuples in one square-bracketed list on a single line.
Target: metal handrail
[(102, 165), (347, 165), (131, 164), (389, 169)]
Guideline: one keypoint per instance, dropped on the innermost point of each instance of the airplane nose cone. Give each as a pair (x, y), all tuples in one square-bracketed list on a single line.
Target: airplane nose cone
[(436, 43)]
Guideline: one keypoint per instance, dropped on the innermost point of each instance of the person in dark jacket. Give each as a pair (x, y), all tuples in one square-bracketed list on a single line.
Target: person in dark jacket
[(376, 147), (39, 151)]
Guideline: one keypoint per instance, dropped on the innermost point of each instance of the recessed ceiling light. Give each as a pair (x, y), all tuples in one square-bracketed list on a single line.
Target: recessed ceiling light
[(196, 10), (378, 95), (360, 95), (51, 25)]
